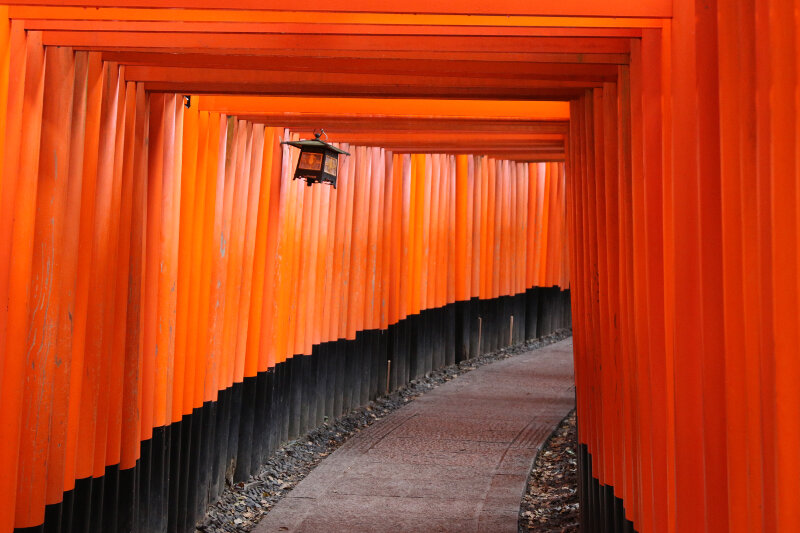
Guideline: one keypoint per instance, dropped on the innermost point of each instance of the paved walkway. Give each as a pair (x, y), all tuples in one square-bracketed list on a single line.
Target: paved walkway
[(454, 460)]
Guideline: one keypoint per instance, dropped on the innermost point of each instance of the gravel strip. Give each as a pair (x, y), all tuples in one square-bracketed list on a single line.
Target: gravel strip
[(550, 504), (243, 505)]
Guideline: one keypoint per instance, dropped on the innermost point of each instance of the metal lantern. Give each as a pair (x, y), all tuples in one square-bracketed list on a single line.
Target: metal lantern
[(319, 161)]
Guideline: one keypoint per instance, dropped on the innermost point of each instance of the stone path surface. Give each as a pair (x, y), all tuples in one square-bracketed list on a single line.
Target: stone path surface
[(454, 460)]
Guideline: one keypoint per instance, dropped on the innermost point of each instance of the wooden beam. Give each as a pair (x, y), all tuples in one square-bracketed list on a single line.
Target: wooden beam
[(427, 137), (388, 107), (317, 28), (583, 8), (607, 26), (529, 156), (532, 63), (563, 94), (217, 55), (586, 78), (355, 124), (254, 42)]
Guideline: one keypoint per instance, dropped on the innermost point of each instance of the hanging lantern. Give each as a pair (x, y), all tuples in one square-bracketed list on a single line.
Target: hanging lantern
[(319, 161)]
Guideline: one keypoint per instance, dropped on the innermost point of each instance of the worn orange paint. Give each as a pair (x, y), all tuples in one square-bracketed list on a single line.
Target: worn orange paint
[(253, 178), (326, 221), (45, 302), (253, 362), (60, 475), (132, 396), (183, 382), (13, 126), (196, 163), (346, 207), (118, 284), (5, 62), (266, 353), (213, 267), (103, 260)]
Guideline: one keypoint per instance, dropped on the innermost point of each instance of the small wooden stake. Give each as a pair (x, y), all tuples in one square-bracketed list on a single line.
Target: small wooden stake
[(388, 374), (480, 332)]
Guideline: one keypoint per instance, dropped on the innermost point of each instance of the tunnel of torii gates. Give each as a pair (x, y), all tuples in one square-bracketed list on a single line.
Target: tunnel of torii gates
[(175, 306)]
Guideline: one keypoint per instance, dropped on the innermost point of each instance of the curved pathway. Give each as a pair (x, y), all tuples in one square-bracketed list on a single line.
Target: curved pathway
[(454, 460)]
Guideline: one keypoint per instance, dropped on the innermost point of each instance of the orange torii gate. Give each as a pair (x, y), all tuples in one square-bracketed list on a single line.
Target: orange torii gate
[(654, 140)]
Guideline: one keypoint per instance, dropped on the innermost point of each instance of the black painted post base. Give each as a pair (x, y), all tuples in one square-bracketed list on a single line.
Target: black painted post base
[(185, 466), (600, 510)]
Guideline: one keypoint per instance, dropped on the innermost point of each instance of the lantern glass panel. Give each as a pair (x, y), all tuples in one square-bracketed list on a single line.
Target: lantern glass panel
[(310, 161), (332, 164)]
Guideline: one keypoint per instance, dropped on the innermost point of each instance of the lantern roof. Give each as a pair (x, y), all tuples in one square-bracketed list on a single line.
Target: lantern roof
[(315, 143)]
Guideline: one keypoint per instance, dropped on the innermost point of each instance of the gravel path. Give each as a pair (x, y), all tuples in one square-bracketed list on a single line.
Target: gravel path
[(243, 505), (551, 502)]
